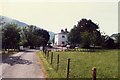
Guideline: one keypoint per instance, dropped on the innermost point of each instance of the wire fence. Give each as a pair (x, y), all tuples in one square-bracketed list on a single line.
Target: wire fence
[(68, 68)]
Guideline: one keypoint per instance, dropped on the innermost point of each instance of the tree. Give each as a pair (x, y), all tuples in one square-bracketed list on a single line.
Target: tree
[(85, 33), (87, 25), (95, 38), (43, 36), (74, 36), (11, 35), (35, 37), (118, 40), (85, 39), (23, 34), (109, 43)]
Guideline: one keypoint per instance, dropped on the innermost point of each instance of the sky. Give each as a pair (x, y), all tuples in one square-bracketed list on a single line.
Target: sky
[(55, 15)]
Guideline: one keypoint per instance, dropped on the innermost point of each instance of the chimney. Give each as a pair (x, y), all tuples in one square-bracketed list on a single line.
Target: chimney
[(62, 30), (66, 30)]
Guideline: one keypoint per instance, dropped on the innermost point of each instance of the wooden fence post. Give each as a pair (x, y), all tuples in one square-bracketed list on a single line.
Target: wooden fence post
[(68, 68), (51, 57), (94, 73), (57, 62), (47, 54)]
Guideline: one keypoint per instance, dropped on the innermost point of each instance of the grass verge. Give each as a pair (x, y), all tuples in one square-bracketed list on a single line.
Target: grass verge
[(51, 73)]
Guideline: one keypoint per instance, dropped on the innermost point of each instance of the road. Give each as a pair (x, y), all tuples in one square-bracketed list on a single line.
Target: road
[(22, 65)]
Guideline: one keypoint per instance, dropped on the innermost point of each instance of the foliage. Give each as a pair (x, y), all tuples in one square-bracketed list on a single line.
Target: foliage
[(74, 36), (26, 36), (117, 37), (107, 42), (118, 40), (11, 35), (85, 33), (34, 36), (85, 39)]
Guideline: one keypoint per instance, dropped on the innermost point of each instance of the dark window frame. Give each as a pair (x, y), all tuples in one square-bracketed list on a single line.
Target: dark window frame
[(63, 36)]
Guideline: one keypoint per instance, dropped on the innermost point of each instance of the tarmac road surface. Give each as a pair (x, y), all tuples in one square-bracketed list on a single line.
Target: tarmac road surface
[(22, 65)]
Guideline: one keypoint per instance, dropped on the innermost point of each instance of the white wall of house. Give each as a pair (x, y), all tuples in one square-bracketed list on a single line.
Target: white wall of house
[(61, 38)]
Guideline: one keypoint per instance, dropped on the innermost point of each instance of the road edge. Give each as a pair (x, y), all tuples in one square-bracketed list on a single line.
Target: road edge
[(42, 66)]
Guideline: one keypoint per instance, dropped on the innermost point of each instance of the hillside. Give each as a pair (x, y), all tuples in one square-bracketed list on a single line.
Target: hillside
[(5, 20)]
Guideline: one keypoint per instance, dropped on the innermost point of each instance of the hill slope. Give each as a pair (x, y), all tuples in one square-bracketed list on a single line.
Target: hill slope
[(5, 20)]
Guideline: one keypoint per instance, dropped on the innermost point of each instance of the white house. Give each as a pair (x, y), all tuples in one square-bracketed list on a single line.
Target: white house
[(61, 38)]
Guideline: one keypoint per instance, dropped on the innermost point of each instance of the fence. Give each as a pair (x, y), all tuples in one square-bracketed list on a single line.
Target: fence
[(79, 50), (64, 67)]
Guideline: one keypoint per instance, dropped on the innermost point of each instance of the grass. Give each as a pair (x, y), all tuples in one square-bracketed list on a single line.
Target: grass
[(51, 73), (106, 62)]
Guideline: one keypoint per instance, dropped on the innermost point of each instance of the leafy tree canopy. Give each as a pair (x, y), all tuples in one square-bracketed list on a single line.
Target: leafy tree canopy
[(11, 35), (85, 33), (34, 36)]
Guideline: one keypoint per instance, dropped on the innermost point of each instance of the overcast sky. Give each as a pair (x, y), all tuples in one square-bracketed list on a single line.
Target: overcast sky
[(56, 15)]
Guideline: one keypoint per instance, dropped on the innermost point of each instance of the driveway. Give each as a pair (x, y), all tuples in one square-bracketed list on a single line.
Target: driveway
[(22, 65)]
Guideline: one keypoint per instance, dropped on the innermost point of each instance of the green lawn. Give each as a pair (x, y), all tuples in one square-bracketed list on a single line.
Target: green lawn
[(106, 62)]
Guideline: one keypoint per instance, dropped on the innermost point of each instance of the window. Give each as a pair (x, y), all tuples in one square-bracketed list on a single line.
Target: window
[(63, 42), (63, 36)]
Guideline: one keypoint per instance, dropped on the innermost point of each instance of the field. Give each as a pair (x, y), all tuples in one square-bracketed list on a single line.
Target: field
[(81, 63)]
